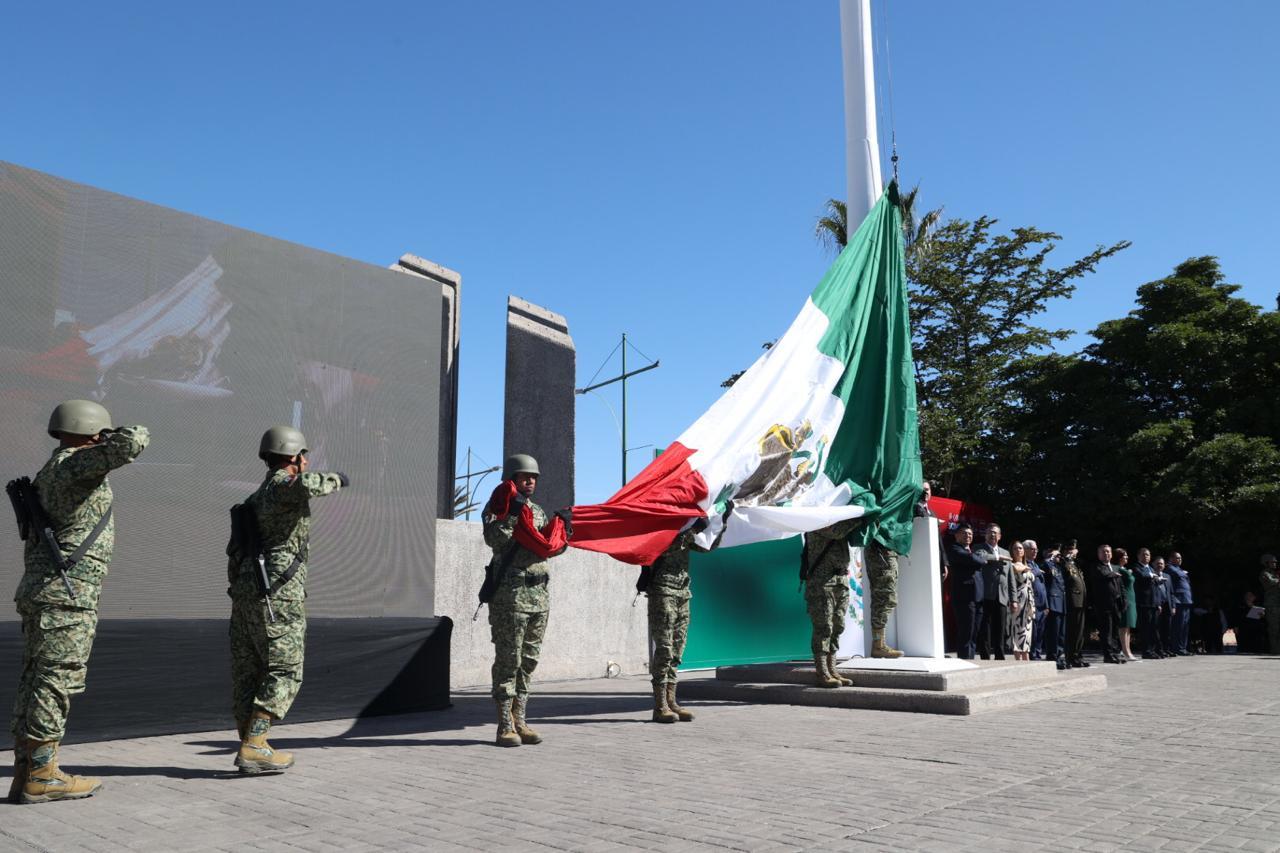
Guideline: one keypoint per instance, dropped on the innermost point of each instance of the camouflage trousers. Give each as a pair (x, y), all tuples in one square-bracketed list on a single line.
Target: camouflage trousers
[(517, 642), (266, 657), (828, 605), (668, 631), (55, 657), (882, 576)]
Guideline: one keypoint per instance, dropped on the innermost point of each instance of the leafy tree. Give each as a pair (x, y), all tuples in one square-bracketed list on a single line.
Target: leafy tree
[(973, 298)]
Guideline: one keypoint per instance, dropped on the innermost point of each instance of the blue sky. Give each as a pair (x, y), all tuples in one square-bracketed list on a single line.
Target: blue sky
[(657, 168)]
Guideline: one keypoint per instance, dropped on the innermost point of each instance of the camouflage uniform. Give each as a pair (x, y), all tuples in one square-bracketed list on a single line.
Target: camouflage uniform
[(520, 606), (266, 657), (826, 588), (669, 597), (59, 631), (882, 574)]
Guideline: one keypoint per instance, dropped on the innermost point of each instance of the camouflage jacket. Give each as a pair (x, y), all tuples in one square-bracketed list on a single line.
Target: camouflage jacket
[(283, 506), (670, 573), (1270, 587), (524, 588), (75, 493), (827, 547)]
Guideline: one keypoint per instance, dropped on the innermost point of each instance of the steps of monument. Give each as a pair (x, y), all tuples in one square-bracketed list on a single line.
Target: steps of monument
[(986, 675), (927, 701)]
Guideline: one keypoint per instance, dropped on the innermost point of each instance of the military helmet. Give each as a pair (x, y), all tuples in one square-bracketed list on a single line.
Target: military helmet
[(520, 463), (79, 417), (282, 441)]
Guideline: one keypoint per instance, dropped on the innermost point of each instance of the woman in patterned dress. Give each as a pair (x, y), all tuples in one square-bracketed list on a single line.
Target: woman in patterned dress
[(1023, 605)]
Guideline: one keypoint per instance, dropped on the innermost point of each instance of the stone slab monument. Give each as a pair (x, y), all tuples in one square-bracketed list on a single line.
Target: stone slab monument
[(450, 283), (540, 404)]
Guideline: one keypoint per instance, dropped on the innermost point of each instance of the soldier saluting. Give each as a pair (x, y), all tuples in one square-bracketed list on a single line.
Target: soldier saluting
[(268, 574), (65, 515), (522, 539)]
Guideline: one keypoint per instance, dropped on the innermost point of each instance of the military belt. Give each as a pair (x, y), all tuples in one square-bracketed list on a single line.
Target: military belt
[(532, 580)]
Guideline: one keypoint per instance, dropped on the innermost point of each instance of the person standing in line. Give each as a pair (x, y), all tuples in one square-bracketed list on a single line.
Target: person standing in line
[(58, 595), (1040, 595), (997, 582), (522, 538), (269, 626), (1055, 622), (967, 592), (1077, 596), (1129, 617), (1166, 608), (1023, 604), (1106, 592), (1270, 578), (1182, 601), (826, 595), (1146, 600)]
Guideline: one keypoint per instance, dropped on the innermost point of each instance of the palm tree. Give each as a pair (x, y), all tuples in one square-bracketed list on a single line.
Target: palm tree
[(832, 229)]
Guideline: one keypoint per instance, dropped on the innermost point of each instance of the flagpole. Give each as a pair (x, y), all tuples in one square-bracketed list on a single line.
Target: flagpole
[(862, 144)]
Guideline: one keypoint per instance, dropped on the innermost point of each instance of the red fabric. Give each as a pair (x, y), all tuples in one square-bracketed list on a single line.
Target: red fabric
[(69, 361), (951, 512), (641, 520), (551, 540)]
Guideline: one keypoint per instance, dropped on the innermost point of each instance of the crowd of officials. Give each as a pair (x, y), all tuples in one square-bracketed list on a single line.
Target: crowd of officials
[(1042, 603)]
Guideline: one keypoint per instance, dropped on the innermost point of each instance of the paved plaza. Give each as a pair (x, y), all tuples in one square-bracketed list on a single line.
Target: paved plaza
[(1175, 755)]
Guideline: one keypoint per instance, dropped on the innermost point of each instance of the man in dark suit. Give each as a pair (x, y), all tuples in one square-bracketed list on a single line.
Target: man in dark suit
[(1040, 594), (1077, 595), (997, 583), (1180, 604), (966, 588), (1055, 618), (1163, 593), (1106, 593), (1144, 592)]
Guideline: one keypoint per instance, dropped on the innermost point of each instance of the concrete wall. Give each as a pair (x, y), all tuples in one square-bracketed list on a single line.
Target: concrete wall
[(538, 413), (592, 621)]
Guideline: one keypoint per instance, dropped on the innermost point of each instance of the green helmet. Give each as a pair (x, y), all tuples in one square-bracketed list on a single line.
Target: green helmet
[(282, 441), (79, 417), (521, 463)]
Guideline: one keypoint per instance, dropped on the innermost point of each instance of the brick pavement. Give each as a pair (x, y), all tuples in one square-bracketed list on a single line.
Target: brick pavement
[(1176, 755)]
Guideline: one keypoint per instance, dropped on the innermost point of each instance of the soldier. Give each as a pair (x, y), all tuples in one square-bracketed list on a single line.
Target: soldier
[(521, 602), (1077, 598), (1271, 599), (666, 583), (266, 655), (826, 595), (882, 575), (60, 610)]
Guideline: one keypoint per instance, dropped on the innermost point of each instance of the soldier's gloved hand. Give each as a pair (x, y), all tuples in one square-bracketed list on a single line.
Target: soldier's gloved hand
[(519, 500), (565, 514), (699, 525), (343, 479)]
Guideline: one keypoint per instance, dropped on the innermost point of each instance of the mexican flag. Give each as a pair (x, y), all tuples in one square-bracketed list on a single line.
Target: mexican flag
[(821, 428)]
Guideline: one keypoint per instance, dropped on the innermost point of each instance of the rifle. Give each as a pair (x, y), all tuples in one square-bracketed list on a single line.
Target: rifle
[(31, 515), (246, 542)]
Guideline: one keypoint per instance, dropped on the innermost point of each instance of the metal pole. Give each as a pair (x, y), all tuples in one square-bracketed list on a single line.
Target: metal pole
[(466, 491), (862, 143), (624, 408)]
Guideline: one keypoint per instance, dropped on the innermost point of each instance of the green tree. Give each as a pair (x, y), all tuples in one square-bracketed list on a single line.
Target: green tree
[(974, 299)]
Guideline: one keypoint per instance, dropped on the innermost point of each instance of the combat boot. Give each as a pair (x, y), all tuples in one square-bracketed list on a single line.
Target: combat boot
[(46, 783), (258, 756), (19, 771), (879, 649), (661, 712), (835, 671), (825, 679), (683, 714), (523, 729), (507, 735)]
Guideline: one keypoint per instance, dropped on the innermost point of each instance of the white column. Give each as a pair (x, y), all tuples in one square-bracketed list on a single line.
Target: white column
[(862, 145)]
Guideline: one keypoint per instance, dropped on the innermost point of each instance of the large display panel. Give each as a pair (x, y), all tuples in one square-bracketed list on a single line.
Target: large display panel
[(207, 334)]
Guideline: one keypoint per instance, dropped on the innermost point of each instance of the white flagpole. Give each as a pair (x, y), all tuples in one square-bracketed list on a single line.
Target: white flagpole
[(862, 145)]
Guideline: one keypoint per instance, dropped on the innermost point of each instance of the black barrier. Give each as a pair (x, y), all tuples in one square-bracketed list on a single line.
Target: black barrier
[(170, 676)]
